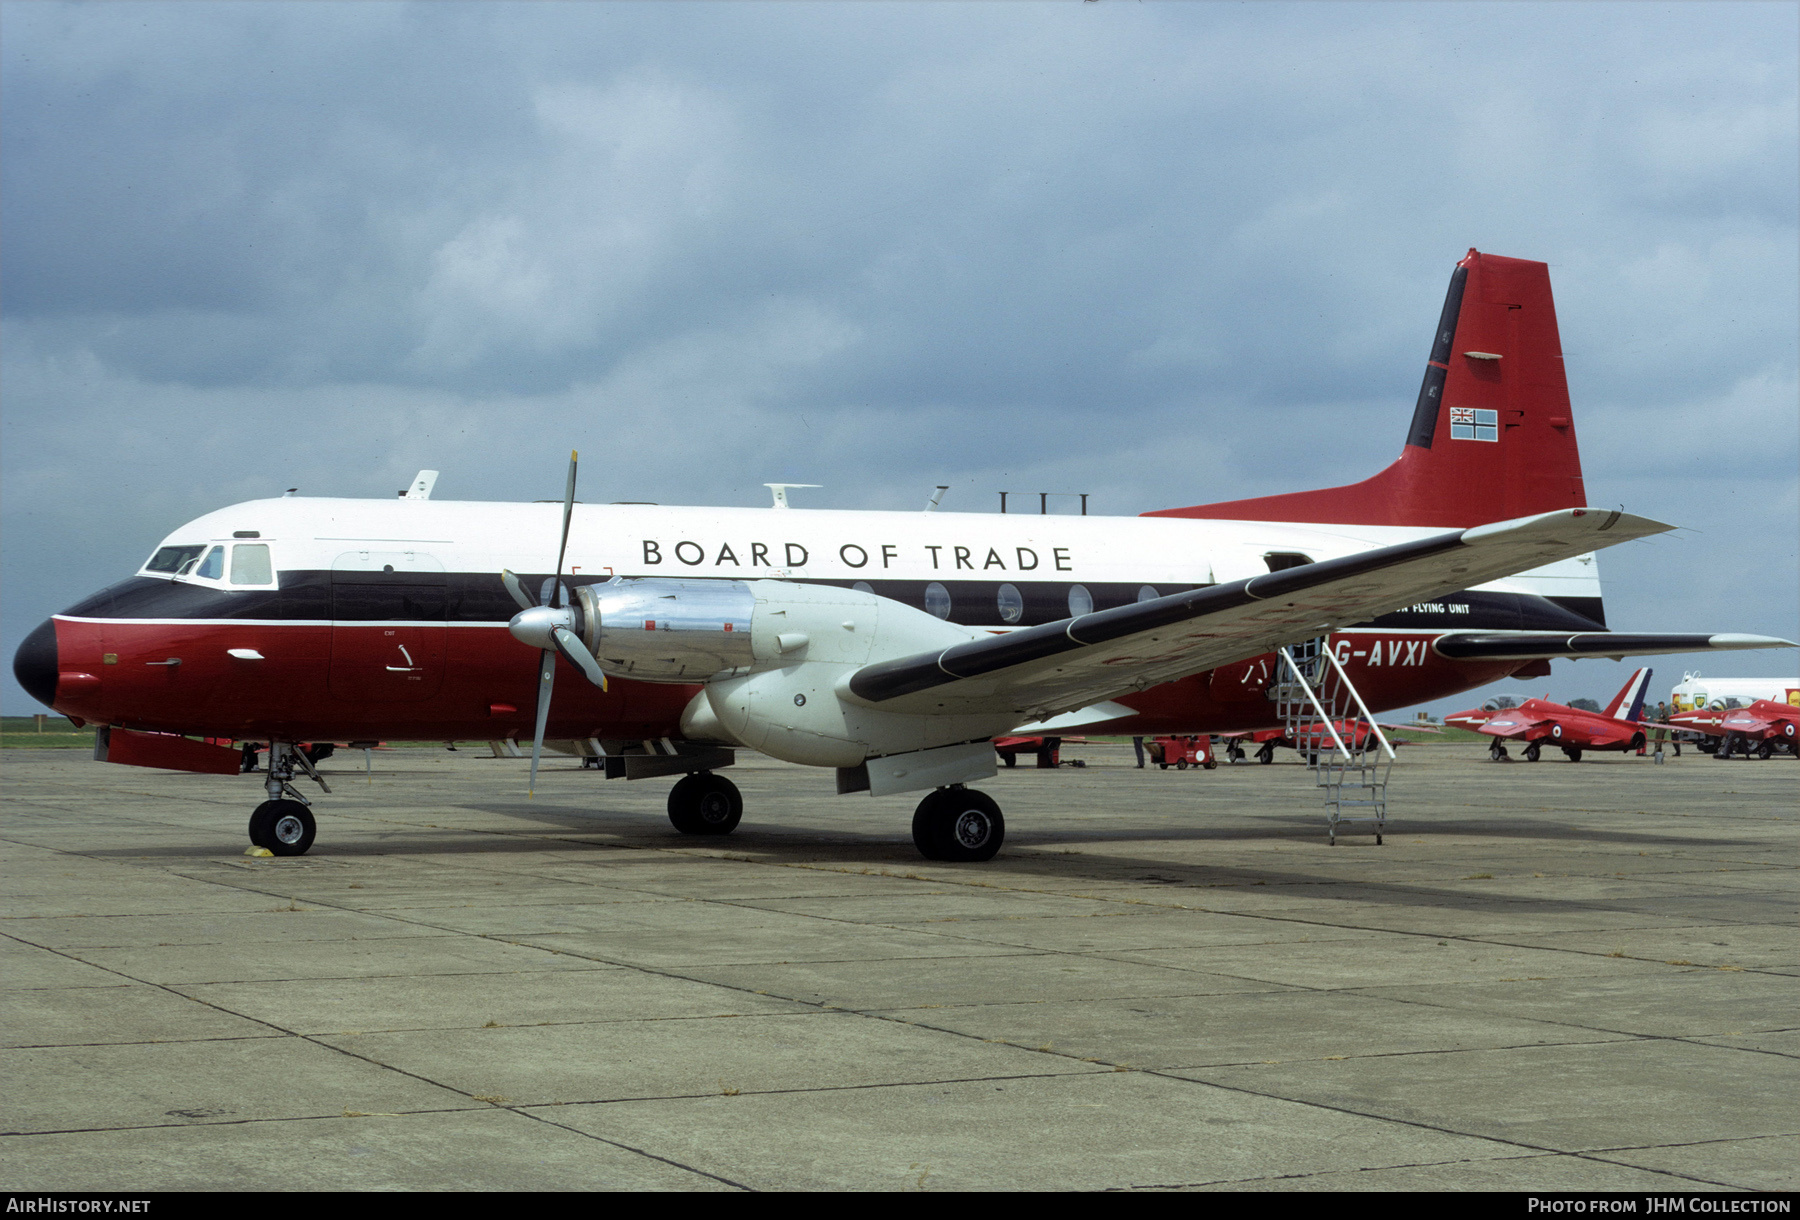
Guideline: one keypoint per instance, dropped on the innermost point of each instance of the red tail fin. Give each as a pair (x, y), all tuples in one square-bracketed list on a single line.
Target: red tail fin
[(1492, 436), (1628, 704)]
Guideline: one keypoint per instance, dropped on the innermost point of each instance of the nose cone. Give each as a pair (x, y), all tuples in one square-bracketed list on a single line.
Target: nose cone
[(34, 665)]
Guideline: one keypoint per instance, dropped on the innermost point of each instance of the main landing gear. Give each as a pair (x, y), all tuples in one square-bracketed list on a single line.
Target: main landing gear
[(1532, 751), (1266, 755), (1497, 751), (284, 824), (705, 804), (958, 824)]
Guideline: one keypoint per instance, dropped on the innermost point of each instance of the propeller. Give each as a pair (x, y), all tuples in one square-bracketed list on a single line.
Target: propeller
[(548, 626)]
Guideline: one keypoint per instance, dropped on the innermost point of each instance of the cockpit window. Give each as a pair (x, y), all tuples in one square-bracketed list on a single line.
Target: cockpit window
[(250, 564), (213, 566), (172, 559)]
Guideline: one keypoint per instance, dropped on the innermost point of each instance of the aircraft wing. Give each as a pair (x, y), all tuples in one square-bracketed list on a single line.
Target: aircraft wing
[(1546, 645), (1042, 671), (1501, 726)]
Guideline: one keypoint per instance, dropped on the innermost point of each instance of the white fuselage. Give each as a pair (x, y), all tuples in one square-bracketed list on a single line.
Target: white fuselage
[(807, 544)]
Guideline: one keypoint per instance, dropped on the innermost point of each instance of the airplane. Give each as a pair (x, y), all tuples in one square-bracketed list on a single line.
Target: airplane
[(1772, 726), (1538, 721), (891, 647)]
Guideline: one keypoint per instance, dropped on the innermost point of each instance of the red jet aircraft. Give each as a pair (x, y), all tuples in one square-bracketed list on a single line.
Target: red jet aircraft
[(1771, 726), (1538, 721)]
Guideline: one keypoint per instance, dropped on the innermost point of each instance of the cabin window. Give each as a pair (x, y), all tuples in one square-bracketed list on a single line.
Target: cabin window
[(213, 566), (937, 600), (1281, 561), (1148, 593), (172, 559), (1080, 600), (250, 564), (1010, 604)]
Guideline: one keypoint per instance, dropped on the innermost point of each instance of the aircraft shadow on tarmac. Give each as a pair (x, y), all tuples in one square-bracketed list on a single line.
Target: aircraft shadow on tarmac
[(1044, 854), (1301, 828)]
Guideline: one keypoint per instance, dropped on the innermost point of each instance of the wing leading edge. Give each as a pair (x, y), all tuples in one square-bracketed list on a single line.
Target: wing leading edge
[(1057, 667)]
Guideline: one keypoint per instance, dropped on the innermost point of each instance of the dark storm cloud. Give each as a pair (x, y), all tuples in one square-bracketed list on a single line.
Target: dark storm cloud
[(1165, 254)]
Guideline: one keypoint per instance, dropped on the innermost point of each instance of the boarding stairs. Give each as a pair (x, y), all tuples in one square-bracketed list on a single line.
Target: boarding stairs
[(1331, 727)]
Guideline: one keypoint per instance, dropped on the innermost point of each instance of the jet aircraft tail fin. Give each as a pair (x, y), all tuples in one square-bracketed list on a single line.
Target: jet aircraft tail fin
[(1492, 437), (1628, 704)]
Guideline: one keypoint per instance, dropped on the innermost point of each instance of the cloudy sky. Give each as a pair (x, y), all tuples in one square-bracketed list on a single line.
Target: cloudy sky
[(1161, 253)]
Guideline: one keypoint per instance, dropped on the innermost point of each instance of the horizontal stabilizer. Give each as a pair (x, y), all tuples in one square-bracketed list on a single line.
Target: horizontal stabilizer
[(1535, 646)]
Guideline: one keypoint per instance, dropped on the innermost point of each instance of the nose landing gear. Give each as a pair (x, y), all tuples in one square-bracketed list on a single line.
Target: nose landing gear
[(284, 824)]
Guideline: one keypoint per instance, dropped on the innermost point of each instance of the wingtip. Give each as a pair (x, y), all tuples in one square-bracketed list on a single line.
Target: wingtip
[(1616, 524), (1733, 639)]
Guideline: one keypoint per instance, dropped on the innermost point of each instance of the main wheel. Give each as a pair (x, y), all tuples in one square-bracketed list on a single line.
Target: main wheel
[(958, 824), (1765, 749), (1497, 752), (1266, 755), (705, 804), (285, 828), (1573, 753), (1532, 751)]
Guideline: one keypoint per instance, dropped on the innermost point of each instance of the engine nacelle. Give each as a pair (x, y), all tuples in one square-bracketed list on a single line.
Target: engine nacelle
[(667, 630), (774, 656)]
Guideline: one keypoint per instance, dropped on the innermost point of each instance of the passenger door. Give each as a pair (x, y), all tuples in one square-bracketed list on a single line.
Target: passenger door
[(388, 629)]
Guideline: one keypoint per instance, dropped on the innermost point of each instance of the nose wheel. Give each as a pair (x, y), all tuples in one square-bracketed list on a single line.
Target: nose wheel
[(283, 824), (958, 824), (286, 828)]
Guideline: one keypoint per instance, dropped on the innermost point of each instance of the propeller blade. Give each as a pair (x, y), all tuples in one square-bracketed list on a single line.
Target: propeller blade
[(568, 510), (517, 590), (546, 678), (576, 654)]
